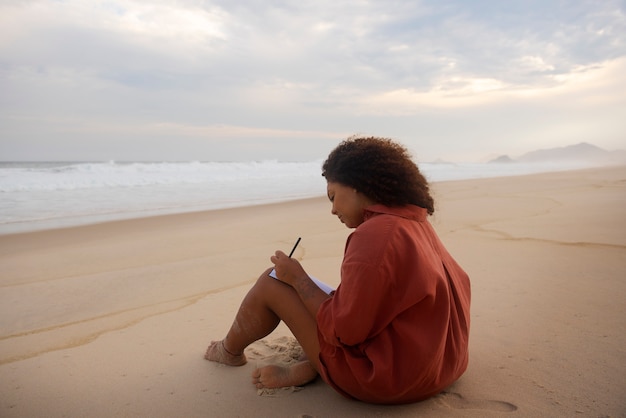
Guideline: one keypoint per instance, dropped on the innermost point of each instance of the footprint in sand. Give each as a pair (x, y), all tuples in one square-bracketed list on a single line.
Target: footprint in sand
[(457, 401)]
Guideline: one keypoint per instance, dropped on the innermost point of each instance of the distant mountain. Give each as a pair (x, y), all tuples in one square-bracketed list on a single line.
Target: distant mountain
[(583, 153), (578, 152), (502, 159)]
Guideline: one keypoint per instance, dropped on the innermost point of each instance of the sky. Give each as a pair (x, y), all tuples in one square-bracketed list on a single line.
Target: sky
[(233, 80)]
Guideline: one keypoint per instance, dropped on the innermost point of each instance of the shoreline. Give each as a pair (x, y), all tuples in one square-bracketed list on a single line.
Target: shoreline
[(100, 219), (113, 318)]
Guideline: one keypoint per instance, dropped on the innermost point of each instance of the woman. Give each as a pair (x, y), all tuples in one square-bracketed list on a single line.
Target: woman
[(396, 329)]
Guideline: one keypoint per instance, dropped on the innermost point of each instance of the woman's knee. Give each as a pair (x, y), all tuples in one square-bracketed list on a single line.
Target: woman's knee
[(267, 284), (265, 279), (266, 273)]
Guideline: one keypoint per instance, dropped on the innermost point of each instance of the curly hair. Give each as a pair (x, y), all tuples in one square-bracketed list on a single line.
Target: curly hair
[(381, 169)]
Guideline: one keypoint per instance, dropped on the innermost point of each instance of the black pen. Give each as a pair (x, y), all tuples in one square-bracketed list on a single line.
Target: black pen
[(294, 247)]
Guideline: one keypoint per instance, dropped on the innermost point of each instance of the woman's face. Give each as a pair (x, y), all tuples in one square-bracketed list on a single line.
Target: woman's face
[(348, 204)]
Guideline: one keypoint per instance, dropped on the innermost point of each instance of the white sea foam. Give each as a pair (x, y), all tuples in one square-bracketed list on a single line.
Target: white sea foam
[(47, 195), (51, 176)]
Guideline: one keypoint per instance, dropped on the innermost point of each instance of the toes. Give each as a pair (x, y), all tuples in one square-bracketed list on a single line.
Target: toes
[(209, 350)]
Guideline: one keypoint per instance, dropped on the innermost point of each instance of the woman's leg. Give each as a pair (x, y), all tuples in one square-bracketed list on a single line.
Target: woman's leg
[(266, 304)]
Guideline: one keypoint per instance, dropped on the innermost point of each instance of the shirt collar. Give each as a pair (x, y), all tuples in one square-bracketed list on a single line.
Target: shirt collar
[(412, 212)]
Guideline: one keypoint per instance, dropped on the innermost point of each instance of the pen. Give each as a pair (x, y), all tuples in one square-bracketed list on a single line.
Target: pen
[(294, 247)]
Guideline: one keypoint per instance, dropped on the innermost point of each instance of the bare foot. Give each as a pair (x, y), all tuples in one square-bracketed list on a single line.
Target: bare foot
[(217, 352), (274, 376)]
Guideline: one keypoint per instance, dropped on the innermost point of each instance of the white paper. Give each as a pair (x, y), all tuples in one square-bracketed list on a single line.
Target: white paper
[(326, 288)]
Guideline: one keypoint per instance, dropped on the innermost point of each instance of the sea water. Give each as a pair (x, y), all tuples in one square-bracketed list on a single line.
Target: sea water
[(45, 195)]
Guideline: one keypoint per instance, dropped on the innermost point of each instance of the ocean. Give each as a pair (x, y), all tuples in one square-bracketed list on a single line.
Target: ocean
[(44, 195)]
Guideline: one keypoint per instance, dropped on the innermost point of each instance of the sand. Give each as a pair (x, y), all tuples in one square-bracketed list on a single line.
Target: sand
[(113, 319)]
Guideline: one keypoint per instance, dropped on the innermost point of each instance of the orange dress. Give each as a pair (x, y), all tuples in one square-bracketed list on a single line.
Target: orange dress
[(396, 330)]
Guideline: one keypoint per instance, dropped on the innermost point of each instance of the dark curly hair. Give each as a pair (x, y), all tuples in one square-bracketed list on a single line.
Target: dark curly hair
[(381, 169)]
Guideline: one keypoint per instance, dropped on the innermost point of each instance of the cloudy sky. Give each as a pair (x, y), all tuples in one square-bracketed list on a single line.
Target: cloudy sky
[(277, 79)]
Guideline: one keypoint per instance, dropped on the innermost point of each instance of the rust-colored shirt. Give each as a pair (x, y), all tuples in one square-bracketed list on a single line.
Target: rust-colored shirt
[(396, 330)]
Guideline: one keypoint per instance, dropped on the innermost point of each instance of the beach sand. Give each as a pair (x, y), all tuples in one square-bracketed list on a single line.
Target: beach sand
[(113, 319)]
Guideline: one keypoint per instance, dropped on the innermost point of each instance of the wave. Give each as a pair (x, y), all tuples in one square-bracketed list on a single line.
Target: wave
[(49, 195), (73, 176)]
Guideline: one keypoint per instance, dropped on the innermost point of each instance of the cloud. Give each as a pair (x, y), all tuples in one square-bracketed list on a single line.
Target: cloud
[(307, 69), (368, 45), (592, 84)]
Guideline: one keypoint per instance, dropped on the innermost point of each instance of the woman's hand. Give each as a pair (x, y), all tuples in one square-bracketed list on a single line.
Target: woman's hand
[(288, 270)]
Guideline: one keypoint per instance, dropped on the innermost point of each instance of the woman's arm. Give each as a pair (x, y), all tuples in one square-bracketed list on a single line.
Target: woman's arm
[(289, 271)]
